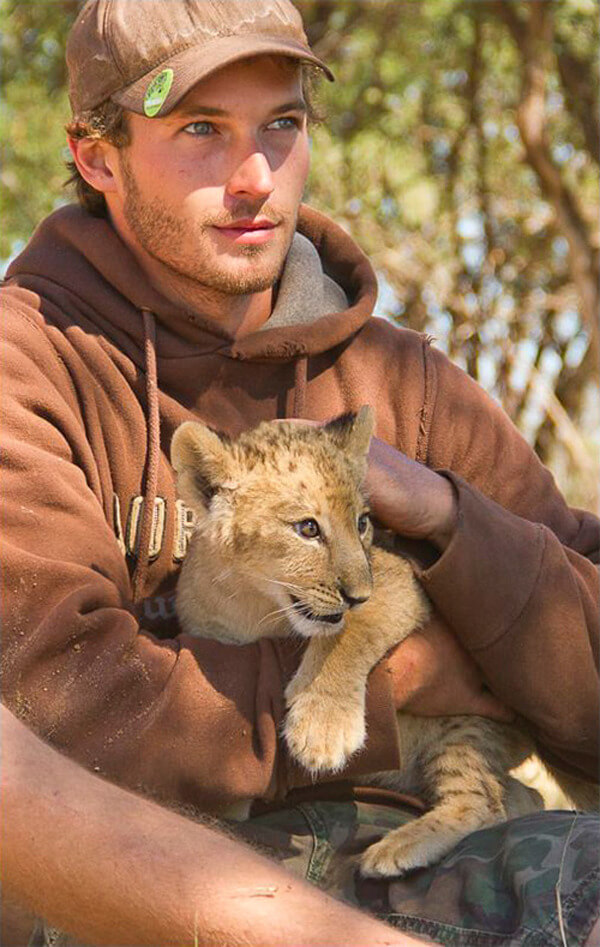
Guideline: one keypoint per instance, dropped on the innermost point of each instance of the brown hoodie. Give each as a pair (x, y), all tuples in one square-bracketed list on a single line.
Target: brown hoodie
[(99, 370)]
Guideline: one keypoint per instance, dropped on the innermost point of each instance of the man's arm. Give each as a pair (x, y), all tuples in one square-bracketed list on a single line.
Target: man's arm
[(112, 868), (514, 576)]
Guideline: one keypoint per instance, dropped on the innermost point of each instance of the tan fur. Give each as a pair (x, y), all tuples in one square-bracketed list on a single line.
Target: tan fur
[(250, 574)]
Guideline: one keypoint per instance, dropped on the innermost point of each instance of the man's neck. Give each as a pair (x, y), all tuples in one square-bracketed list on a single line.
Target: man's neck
[(231, 315)]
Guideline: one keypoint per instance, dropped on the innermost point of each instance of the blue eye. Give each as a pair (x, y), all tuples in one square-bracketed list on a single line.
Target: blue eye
[(199, 129), (284, 124)]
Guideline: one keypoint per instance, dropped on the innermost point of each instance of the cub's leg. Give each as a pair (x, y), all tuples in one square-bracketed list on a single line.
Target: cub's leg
[(325, 723), (464, 763)]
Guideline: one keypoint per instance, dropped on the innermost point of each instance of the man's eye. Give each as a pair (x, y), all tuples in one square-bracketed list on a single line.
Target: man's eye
[(309, 529), (284, 124), (200, 129)]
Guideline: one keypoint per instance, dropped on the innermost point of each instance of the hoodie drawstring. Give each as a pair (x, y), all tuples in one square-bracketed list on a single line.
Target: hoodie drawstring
[(153, 445), (300, 383), (152, 457)]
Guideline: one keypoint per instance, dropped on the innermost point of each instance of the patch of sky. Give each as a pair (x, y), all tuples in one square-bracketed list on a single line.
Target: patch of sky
[(511, 133), (566, 324), (440, 147), (454, 77), (393, 101), (337, 19), (490, 129), (554, 102), (441, 328), (532, 417), (388, 207), (563, 153), (471, 303), (15, 249), (490, 331), (491, 288), (473, 254), (50, 46), (560, 247), (412, 91), (505, 307), (430, 299), (388, 304), (524, 355), (550, 364), (487, 370), (576, 350), (470, 227), (354, 206)]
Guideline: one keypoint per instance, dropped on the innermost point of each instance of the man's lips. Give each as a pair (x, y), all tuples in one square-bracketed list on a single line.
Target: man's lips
[(249, 231)]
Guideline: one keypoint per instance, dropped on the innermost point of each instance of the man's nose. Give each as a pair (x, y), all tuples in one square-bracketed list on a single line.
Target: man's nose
[(252, 178)]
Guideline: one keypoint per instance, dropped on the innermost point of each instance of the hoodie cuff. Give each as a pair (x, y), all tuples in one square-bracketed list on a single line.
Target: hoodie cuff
[(486, 575)]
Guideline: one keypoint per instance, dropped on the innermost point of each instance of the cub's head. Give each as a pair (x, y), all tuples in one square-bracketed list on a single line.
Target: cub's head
[(281, 511)]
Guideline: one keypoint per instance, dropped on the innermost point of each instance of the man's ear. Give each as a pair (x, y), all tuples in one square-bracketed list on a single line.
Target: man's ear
[(203, 462), (352, 432), (94, 159)]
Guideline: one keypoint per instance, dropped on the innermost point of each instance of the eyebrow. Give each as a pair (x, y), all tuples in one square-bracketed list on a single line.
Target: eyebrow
[(296, 105)]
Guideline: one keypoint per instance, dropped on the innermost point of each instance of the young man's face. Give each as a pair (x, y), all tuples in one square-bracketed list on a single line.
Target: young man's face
[(212, 190)]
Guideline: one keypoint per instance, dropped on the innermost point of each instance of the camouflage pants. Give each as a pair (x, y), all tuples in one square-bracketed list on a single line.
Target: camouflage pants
[(530, 882)]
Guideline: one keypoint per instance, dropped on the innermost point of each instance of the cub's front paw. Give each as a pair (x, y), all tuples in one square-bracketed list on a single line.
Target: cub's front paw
[(417, 844), (322, 733)]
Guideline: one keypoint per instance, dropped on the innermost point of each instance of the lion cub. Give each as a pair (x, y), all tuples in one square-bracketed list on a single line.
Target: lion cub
[(284, 543)]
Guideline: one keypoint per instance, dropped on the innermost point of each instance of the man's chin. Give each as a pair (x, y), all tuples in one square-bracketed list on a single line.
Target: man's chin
[(238, 281)]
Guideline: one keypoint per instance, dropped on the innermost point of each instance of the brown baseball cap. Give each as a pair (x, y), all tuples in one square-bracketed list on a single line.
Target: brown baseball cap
[(147, 54)]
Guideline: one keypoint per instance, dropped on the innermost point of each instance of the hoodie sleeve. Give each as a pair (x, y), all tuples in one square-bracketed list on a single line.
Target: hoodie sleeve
[(519, 581), (187, 720)]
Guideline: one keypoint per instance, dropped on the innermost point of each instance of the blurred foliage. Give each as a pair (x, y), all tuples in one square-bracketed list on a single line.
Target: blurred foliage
[(460, 150)]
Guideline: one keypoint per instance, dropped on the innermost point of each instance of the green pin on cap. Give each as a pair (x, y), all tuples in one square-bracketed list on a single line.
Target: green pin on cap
[(157, 92)]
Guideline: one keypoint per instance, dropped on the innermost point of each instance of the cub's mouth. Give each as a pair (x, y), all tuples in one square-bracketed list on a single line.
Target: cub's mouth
[(302, 608)]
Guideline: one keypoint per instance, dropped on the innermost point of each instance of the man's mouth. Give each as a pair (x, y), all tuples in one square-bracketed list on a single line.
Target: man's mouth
[(249, 231)]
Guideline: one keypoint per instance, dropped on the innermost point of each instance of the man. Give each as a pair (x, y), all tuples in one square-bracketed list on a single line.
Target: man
[(194, 285)]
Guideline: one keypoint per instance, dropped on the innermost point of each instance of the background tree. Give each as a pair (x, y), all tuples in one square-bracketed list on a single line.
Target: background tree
[(460, 150)]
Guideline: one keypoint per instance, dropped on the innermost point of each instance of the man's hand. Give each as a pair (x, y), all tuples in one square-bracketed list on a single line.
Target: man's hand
[(408, 497), (434, 676)]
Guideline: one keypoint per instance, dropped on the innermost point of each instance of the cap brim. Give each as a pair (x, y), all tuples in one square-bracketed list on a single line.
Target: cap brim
[(197, 62)]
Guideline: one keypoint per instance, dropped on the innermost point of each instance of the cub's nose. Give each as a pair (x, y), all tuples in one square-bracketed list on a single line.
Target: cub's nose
[(352, 600)]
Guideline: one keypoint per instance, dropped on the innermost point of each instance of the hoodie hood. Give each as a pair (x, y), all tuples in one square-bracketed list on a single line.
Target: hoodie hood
[(327, 290)]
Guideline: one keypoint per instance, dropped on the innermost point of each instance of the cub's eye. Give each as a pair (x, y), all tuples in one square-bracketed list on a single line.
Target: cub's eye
[(308, 528), (363, 523)]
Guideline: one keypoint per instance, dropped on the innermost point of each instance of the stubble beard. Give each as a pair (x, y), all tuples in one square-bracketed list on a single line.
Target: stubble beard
[(186, 250)]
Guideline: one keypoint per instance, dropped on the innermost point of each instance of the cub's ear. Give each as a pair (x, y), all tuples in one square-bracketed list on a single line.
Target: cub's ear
[(352, 432), (203, 462)]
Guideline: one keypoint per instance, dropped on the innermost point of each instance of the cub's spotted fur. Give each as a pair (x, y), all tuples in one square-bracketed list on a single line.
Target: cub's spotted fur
[(284, 544)]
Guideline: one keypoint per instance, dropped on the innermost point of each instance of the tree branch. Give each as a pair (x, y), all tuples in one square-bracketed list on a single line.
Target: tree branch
[(533, 38)]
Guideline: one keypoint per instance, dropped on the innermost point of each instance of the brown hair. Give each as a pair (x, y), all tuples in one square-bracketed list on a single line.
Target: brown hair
[(109, 122)]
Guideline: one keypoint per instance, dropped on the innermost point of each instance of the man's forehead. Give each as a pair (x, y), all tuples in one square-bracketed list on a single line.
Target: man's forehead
[(280, 78)]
